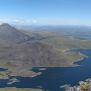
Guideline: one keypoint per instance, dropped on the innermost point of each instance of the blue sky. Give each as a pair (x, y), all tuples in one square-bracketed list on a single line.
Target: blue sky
[(53, 12)]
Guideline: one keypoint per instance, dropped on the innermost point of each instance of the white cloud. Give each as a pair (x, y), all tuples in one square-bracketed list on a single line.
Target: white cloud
[(34, 21), (18, 21), (44, 21)]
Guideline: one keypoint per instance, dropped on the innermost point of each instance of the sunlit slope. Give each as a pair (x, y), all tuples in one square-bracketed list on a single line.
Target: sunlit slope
[(64, 43)]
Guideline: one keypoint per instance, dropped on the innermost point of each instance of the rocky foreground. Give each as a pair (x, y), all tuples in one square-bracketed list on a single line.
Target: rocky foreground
[(82, 86)]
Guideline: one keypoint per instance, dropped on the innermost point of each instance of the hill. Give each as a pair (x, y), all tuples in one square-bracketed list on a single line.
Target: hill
[(27, 50)]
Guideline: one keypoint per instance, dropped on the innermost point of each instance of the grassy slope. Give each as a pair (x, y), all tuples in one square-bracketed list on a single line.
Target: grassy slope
[(65, 43), (62, 44)]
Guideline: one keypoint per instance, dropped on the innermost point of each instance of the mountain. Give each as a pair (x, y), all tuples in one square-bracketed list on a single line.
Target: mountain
[(11, 34), (35, 49), (27, 49), (24, 53)]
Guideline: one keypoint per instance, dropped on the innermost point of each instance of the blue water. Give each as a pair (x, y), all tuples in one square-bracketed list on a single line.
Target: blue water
[(3, 69), (52, 78)]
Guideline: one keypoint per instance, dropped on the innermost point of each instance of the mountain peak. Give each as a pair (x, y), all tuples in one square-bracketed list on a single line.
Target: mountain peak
[(11, 34), (4, 24)]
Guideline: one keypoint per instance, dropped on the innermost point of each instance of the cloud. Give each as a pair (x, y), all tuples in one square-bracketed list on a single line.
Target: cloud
[(19, 21), (34, 21), (43, 21)]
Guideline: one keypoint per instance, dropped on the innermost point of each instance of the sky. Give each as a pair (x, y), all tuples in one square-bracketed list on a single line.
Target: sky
[(46, 12)]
